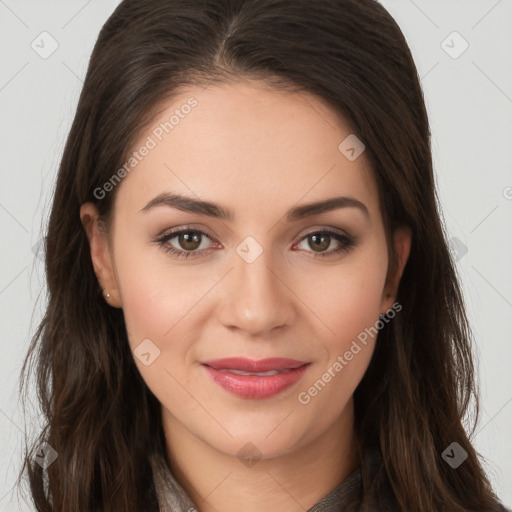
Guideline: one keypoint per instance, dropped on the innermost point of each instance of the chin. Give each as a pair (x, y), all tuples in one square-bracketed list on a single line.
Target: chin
[(262, 439)]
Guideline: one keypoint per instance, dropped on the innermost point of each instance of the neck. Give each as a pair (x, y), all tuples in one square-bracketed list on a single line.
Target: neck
[(292, 482)]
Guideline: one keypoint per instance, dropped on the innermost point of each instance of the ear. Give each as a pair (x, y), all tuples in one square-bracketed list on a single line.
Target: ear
[(402, 238), (101, 256)]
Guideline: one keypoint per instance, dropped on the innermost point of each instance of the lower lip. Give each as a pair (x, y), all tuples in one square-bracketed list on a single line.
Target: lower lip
[(255, 386)]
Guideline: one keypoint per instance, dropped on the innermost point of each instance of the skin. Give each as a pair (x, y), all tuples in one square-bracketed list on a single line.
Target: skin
[(258, 152)]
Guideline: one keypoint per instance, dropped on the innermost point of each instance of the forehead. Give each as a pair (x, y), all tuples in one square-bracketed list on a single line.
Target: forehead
[(246, 145)]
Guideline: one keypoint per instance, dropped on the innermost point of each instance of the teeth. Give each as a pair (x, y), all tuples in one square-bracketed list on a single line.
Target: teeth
[(261, 374)]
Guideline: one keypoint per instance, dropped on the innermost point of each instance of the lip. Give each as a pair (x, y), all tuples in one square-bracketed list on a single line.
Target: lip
[(250, 365), (255, 386)]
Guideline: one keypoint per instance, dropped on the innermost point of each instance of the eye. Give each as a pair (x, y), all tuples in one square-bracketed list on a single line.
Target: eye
[(188, 241), (319, 241)]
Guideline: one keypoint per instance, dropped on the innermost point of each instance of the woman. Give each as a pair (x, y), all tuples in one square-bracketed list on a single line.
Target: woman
[(252, 304)]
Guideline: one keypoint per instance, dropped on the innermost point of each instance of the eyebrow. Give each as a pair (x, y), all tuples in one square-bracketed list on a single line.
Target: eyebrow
[(192, 205)]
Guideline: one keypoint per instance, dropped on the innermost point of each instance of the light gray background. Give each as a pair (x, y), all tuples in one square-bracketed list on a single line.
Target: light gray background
[(469, 99)]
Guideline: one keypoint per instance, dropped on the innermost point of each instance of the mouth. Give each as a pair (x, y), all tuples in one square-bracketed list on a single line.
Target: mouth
[(255, 379)]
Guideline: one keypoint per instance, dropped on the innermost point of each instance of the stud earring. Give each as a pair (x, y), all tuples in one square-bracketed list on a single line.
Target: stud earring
[(107, 295)]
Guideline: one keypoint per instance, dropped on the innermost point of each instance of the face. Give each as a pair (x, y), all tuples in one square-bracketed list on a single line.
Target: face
[(271, 278)]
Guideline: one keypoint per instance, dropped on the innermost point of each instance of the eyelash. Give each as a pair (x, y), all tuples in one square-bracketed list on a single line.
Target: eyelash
[(347, 243)]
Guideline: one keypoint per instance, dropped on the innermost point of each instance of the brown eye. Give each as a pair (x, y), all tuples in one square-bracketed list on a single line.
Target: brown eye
[(189, 240), (320, 241), (184, 243)]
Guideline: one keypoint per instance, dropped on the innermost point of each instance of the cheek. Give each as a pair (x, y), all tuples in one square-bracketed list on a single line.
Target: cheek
[(345, 298), (156, 294), (348, 303), (161, 303), (156, 307), (150, 307), (350, 311)]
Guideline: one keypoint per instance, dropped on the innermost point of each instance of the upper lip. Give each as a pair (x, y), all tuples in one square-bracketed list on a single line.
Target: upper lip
[(251, 365)]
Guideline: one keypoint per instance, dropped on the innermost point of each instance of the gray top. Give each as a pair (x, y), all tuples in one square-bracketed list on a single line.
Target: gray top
[(173, 498)]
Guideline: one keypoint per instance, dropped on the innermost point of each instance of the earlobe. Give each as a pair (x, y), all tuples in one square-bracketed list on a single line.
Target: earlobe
[(100, 252), (402, 238)]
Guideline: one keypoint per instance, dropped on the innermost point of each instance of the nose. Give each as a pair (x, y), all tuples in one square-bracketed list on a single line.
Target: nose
[(256, 297)]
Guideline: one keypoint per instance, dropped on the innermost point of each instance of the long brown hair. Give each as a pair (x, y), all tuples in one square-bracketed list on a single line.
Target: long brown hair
[(99, 415)]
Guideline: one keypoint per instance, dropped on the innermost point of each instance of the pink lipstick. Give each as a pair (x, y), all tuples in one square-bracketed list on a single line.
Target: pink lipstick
[(248, 378)]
